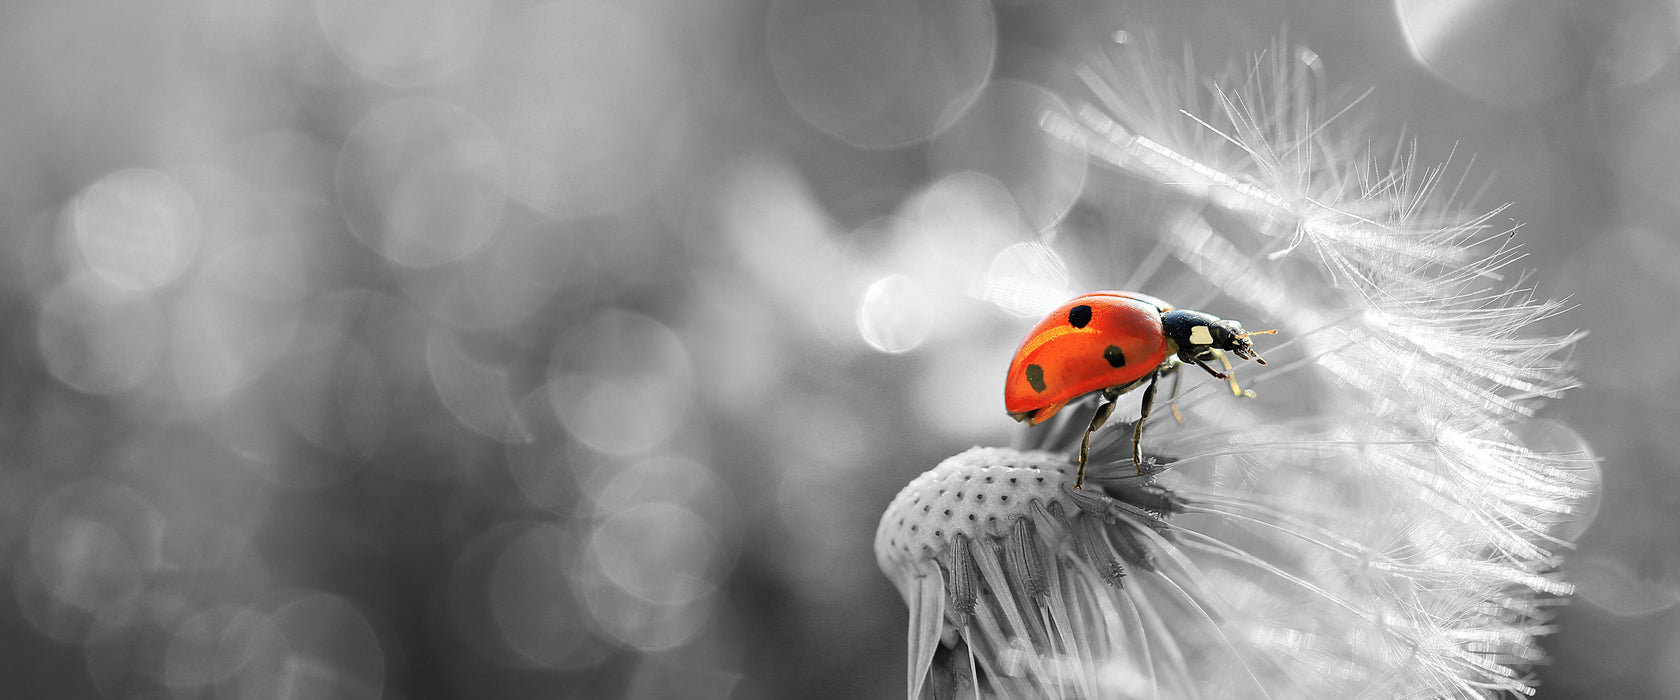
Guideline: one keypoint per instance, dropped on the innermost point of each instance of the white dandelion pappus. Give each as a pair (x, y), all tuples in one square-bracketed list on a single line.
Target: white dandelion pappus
[(1370, 526)]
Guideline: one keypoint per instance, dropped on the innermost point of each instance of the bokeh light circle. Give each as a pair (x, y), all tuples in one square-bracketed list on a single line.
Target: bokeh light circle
[(125, 647), (1627, 585), (1001, 135), (1028, 279), (403, 42), (191, 659), (137, 229), (531, 601), (520, 272), (1508, 52), (531, 463), (582, 85), (957, 223), (422, 182), (666, 531), (633, 620), (893, 315), (98, 342), (511, 598), (50, 616), (314, 646), (331, 389), (220, 339), (700, 498), (881, 73), (658, 551), (621, 382), (270, 267), (1555, 438), (479, 394), (92, 544)]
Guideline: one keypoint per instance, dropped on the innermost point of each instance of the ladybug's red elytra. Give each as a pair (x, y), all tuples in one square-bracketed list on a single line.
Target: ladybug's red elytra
[(1114, 342)]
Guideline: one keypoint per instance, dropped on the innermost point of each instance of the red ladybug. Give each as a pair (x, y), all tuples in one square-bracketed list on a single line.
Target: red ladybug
[(1114, 342)]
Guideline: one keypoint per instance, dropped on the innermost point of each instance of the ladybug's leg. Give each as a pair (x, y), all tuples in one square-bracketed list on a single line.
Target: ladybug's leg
[(1097, 421), (1137, 428), (1210, 370), (1178, 378), (1232, 375)]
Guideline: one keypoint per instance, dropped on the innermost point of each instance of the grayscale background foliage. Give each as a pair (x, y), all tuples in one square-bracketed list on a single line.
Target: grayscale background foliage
[(493, 348)]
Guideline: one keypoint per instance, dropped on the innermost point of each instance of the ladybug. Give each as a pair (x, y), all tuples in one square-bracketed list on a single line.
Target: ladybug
[(1114, 342)]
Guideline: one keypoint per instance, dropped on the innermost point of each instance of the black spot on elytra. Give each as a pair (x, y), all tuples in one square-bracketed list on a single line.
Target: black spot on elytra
[(1035, 377), (1079, 315), (1114, 356)]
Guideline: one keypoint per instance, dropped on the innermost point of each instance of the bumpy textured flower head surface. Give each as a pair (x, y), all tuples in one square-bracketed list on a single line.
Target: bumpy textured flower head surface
[(995, 540), (1373, 522)]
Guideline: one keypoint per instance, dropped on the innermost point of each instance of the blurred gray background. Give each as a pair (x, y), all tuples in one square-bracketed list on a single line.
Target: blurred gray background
[(491, 348)]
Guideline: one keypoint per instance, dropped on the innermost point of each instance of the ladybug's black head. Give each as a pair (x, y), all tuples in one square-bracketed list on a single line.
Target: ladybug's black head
[(1229, 335), (1196, 333)]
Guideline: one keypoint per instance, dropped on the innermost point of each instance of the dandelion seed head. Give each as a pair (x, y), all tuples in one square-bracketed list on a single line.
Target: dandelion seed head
[(994, 546), (1371, 516)]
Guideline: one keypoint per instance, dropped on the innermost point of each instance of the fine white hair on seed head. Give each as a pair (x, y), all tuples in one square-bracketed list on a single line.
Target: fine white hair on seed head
[(993, 543), (1372, 523)]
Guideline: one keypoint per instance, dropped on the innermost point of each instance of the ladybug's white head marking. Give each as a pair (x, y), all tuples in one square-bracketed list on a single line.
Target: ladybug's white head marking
[(1201, 336)]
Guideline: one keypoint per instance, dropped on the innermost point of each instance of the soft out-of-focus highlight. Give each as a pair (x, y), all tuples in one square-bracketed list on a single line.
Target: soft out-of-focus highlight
[(571, 348)]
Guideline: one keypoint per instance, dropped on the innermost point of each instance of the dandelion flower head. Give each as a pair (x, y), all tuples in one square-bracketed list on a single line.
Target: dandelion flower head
[(1381, 518)]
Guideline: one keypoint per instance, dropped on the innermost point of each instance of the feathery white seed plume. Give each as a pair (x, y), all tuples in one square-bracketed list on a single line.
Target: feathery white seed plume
[(1370, 525)]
